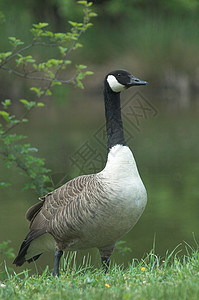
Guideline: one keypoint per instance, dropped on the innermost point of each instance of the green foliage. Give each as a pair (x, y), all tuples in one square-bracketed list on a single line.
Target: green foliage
[(15, 42), (66, 43), (21, 63), (22, 155)]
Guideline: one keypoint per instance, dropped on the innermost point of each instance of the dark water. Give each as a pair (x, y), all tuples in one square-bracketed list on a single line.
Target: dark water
[(164, 142)]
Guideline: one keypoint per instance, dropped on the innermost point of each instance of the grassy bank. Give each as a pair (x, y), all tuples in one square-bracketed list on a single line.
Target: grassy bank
[(150, 278)]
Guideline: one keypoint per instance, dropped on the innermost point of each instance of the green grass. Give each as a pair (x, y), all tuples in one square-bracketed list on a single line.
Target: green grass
[(149, 278)]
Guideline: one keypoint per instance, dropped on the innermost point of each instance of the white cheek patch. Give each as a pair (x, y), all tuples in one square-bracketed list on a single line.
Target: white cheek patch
[(114, 84)]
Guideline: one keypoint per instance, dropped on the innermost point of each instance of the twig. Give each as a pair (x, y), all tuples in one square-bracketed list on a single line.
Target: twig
[(24, 75), (8, 59), (20, 119)]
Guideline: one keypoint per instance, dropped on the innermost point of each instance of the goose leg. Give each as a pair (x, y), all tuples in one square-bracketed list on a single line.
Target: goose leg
[(105, 264), (57, 257), (105, 254)]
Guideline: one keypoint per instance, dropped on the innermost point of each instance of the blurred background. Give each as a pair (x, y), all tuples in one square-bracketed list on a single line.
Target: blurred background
[(157, 41)]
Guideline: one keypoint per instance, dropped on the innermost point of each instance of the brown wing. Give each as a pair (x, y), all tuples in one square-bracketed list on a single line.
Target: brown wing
[(64, 204)]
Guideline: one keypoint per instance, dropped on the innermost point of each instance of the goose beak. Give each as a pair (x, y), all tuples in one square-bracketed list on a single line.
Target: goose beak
[(136, 81)]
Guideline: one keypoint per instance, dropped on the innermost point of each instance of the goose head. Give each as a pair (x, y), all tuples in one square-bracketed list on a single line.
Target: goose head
[(120, 80)]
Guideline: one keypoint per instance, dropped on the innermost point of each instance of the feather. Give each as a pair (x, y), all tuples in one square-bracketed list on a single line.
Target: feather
[(32, 235)]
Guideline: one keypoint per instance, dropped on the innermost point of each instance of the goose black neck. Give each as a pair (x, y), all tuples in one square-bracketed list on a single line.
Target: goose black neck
[(114, 126)]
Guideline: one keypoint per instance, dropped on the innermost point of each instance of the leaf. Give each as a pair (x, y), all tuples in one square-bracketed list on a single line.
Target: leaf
[(51, 74), (14, 41), (25, 59), (80, 84), (4, 55), (28, 104), (54, 62), (25, 102), (67, 62), (62, 50), (48, 33), (74, 24), (31, 104), (92, 14), (37, 91), (60, 36), (30, 60), (6, 103), (24, 120), (5, 115), (48, 93), (82, 2), (81, 67), (78, 45), (40, 104), (56, 83), (88, 25), (89, 73), (81, 76), (40, 25)]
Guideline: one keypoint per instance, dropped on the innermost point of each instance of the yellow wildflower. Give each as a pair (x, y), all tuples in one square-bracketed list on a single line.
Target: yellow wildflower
[(107, 285), (143, 269)]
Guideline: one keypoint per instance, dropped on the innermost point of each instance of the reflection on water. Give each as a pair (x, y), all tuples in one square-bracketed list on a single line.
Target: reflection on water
[(72, 140)]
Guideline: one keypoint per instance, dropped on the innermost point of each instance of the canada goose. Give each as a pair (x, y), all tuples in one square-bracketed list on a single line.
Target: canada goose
[(91, 210)]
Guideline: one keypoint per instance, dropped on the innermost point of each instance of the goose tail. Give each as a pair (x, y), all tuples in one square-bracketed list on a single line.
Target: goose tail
[(23, 254)]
